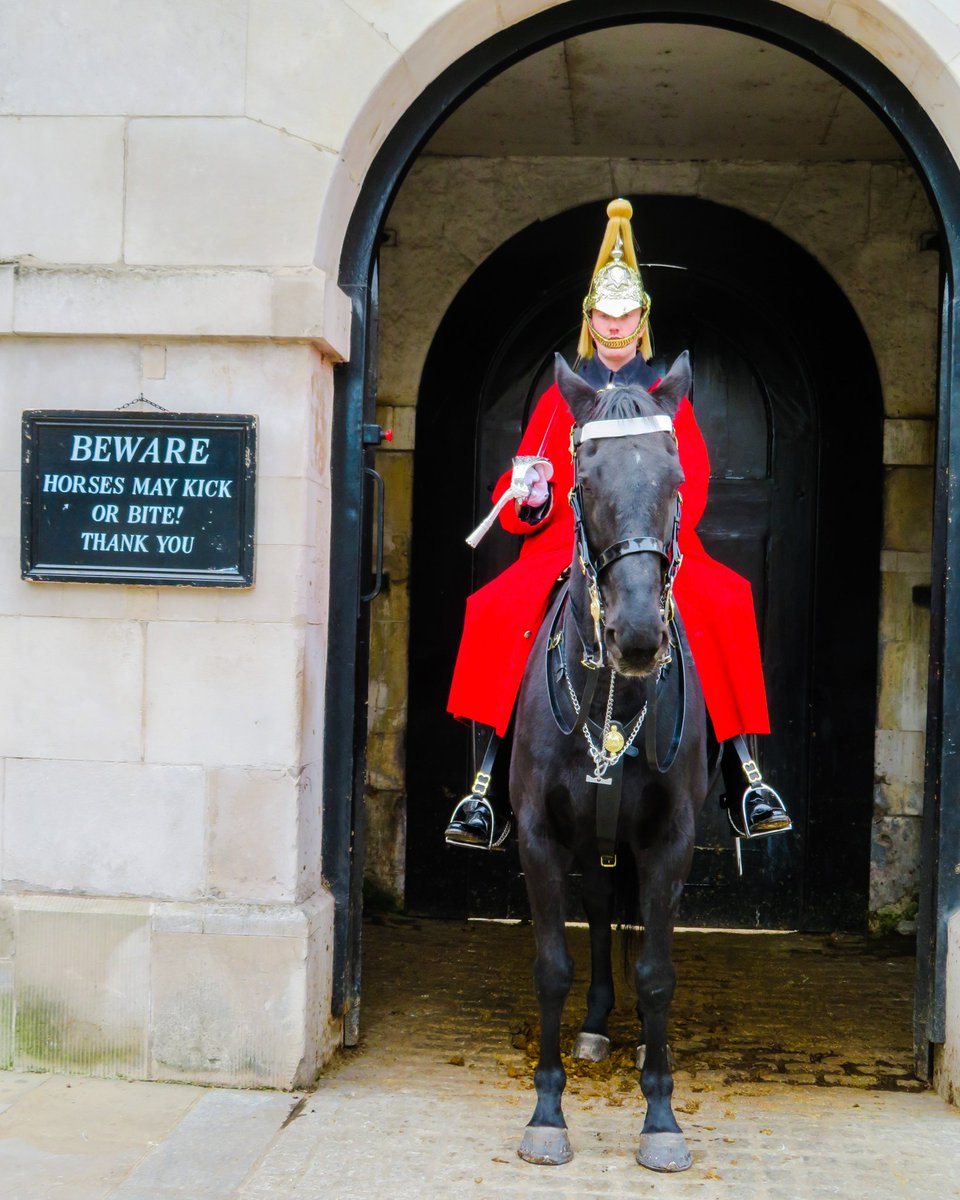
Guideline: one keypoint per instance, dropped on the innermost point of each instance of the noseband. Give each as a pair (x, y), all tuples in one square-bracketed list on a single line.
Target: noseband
[(669, 554)]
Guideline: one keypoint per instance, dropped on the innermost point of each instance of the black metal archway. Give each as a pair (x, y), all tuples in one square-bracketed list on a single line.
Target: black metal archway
[(344, 746)]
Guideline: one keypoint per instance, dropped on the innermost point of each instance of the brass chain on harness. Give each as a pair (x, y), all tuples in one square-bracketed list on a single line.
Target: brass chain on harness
[(613, 745)]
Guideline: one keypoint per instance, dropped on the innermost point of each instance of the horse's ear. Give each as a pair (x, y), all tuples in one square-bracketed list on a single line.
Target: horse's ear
[(675, 384), (580, 396)]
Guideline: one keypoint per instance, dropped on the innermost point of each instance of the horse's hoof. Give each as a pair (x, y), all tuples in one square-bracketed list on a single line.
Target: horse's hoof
[(593, 1047), (664, 1152), (545, 1145), (642, 1055)]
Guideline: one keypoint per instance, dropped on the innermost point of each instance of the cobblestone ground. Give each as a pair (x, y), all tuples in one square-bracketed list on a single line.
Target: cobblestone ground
[(793, 1078)]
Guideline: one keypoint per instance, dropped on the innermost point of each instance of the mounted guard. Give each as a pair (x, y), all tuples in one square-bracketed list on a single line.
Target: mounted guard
[(531, 499)]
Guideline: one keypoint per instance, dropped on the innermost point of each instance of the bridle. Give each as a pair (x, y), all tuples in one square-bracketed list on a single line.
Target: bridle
[(608, 744), (591, 568)]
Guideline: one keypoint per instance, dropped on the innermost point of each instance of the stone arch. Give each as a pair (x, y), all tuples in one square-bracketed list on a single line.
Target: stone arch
[(917, 42), (902, 69)]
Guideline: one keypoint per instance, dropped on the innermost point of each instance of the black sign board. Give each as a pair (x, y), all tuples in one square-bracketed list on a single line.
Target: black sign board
[(151, 498)]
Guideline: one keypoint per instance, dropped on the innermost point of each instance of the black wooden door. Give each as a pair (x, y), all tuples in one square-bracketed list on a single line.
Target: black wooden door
[(756, 394)]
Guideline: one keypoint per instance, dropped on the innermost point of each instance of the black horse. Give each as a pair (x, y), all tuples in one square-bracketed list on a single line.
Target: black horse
[(616, 616)]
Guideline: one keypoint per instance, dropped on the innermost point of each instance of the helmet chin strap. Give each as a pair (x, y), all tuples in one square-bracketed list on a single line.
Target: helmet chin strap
[(615, 343)]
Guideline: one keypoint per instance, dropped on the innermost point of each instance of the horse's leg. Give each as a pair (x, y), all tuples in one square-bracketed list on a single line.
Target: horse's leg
[(593, 1041), (545, 1139), (662, 1144)]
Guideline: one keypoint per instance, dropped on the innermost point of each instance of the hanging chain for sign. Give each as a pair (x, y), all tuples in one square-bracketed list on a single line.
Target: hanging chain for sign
[(141, 399)]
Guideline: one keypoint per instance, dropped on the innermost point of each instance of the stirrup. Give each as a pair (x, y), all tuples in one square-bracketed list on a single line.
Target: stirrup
[(756, 792), (492, 844), (478, 795), (740, 826)]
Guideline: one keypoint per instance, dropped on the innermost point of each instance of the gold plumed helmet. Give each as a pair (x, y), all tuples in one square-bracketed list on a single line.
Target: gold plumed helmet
[(616, 287)]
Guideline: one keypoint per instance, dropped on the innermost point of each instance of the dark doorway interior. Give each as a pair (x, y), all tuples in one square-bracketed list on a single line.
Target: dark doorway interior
[(790, 407)]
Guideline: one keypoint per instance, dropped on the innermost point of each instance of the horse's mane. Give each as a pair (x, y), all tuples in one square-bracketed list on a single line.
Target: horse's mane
[(621, 403)]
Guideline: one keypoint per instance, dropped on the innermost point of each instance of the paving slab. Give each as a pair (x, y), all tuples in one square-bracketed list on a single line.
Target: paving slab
[(212, 1150), (13, 1086), (79, 1138)]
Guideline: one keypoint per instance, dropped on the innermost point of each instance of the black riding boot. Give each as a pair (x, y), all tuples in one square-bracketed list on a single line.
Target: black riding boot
[(756, 809), (473, 822)]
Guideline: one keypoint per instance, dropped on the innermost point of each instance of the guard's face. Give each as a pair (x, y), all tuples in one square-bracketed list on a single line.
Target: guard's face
[(615, 327)]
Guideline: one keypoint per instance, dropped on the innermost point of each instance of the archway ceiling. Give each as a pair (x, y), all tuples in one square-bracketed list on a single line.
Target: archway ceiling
[(666, 92)]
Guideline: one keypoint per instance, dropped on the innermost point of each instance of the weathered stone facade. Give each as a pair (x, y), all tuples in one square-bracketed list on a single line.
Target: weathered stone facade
[(141, 761), (180, 177)]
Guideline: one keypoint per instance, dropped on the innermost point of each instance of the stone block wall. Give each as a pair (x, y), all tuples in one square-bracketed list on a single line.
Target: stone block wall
[(161, 754), (866, 223), (161, 748), (211, 993)]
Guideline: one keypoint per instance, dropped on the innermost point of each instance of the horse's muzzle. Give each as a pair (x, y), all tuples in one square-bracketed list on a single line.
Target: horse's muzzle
[(636, 650)]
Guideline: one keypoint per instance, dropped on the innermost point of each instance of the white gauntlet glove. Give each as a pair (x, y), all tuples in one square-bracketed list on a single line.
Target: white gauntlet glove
[(536, 480), (528, 485)]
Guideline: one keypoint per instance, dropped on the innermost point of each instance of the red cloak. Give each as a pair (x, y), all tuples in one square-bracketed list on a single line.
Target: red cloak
[(503, 617)]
